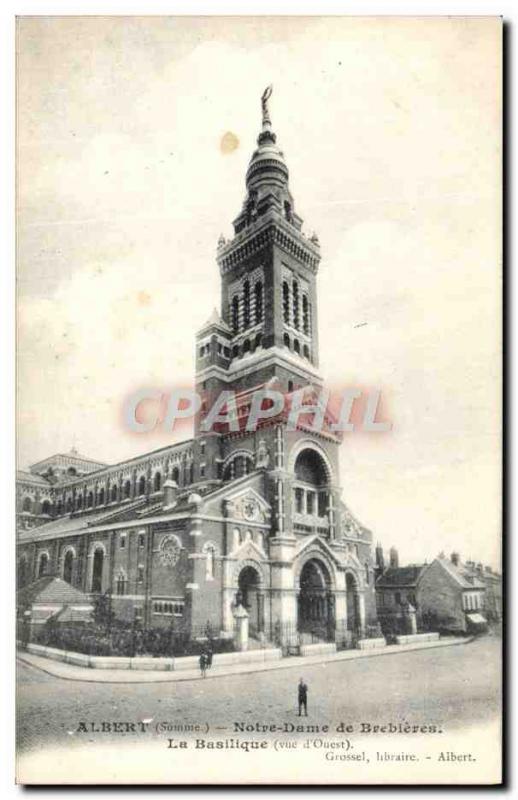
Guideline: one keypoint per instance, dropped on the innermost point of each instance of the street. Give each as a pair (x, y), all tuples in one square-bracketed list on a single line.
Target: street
[(451, 687)]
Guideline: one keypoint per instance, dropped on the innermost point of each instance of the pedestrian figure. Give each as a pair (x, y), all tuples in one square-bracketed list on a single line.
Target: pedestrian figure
[(203, 665), (208, 658), (303, 697)]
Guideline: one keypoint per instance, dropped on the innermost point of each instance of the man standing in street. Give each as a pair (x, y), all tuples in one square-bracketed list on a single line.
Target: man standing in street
[(203, 665), (303, 697)]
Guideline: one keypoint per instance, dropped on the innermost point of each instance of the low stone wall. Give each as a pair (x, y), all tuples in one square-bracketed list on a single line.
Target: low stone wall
[(412, 638), (370, 644), (148, 663), (320, 649)]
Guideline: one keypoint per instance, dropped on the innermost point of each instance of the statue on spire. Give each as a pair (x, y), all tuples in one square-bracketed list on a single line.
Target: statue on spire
[(264, 105)]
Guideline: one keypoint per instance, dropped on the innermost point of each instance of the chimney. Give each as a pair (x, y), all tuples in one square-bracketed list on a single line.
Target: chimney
[(380, 558), (455, 559), (394, 557), (170, 493)]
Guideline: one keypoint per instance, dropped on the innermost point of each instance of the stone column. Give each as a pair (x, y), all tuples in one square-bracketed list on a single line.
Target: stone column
[(260, 612), (284, 608), (361, 612), (195, 567), (227, 597)]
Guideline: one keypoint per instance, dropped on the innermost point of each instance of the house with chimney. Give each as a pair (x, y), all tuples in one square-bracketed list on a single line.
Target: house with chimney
[(451, 597), (445, 595)]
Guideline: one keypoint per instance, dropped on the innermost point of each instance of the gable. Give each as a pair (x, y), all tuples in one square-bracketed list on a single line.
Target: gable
[(317, 543), (243, 503)]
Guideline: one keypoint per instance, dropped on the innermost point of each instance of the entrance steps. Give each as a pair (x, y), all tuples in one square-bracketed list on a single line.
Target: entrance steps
[(318, 649)]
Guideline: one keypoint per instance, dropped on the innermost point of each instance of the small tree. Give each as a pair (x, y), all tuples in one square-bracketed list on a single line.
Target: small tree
[(103, 614)]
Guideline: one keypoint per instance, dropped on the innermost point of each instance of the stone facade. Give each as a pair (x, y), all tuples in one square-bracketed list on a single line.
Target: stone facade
[(184, 535)]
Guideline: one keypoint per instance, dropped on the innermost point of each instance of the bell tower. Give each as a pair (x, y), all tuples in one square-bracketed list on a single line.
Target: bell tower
[(268, 283)]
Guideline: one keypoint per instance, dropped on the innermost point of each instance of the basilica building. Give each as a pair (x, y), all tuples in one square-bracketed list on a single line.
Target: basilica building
[(188, 533)]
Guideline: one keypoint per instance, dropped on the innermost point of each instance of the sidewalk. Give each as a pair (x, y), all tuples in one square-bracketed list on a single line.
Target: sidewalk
[(72, 673)]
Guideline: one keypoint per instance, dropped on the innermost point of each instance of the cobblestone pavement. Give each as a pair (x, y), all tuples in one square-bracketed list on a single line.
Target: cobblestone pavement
[(451, 687)]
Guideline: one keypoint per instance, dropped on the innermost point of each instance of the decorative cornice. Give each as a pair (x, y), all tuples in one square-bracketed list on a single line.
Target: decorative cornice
[(273, 230)]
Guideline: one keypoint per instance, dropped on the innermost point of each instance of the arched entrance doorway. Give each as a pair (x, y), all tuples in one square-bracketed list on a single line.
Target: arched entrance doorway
[(97, 570), (251, 596), (315, 601), (353, 604)]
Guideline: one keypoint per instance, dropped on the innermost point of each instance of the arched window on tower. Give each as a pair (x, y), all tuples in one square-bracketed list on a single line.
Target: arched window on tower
[(296, 346), (305, 315), (27, 504), (157, 482), (100, 498), (235, 313), (286, 302), (246, 304), (306, 351), (296, 310), (246, 346), (114, 493), (287, 342), (258, 291), (142, 485), (127, 489)]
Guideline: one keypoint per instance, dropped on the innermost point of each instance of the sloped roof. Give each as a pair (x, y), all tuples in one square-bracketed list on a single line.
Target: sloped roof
[(51, 590), (29, 477), (216, 320), (57, 458), (472, 576), (68, 614), (400, 576), (68, 524), (463, 576)]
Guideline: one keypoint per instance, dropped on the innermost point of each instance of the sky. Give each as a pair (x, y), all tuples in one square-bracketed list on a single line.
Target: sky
[(391, 131)]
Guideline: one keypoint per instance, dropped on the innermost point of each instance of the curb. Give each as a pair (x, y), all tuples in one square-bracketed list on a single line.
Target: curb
[(222, 672)]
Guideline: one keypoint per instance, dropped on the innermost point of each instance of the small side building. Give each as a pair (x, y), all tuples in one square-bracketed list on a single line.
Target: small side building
[(450, 597), (396, 590), (51, 597)]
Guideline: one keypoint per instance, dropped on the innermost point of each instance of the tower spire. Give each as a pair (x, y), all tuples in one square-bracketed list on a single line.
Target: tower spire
[(267, 122)]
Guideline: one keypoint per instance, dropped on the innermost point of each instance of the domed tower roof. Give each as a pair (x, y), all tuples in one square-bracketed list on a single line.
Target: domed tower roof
[(267, 177)]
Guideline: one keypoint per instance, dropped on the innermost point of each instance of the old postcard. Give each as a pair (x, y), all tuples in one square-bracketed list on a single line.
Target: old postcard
[(259, 400)]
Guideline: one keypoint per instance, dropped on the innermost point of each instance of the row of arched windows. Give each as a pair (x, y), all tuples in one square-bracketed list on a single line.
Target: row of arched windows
[(246, 310), (247, 346), (296, 311), (295, 346), (29, 506), (114, 493)]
